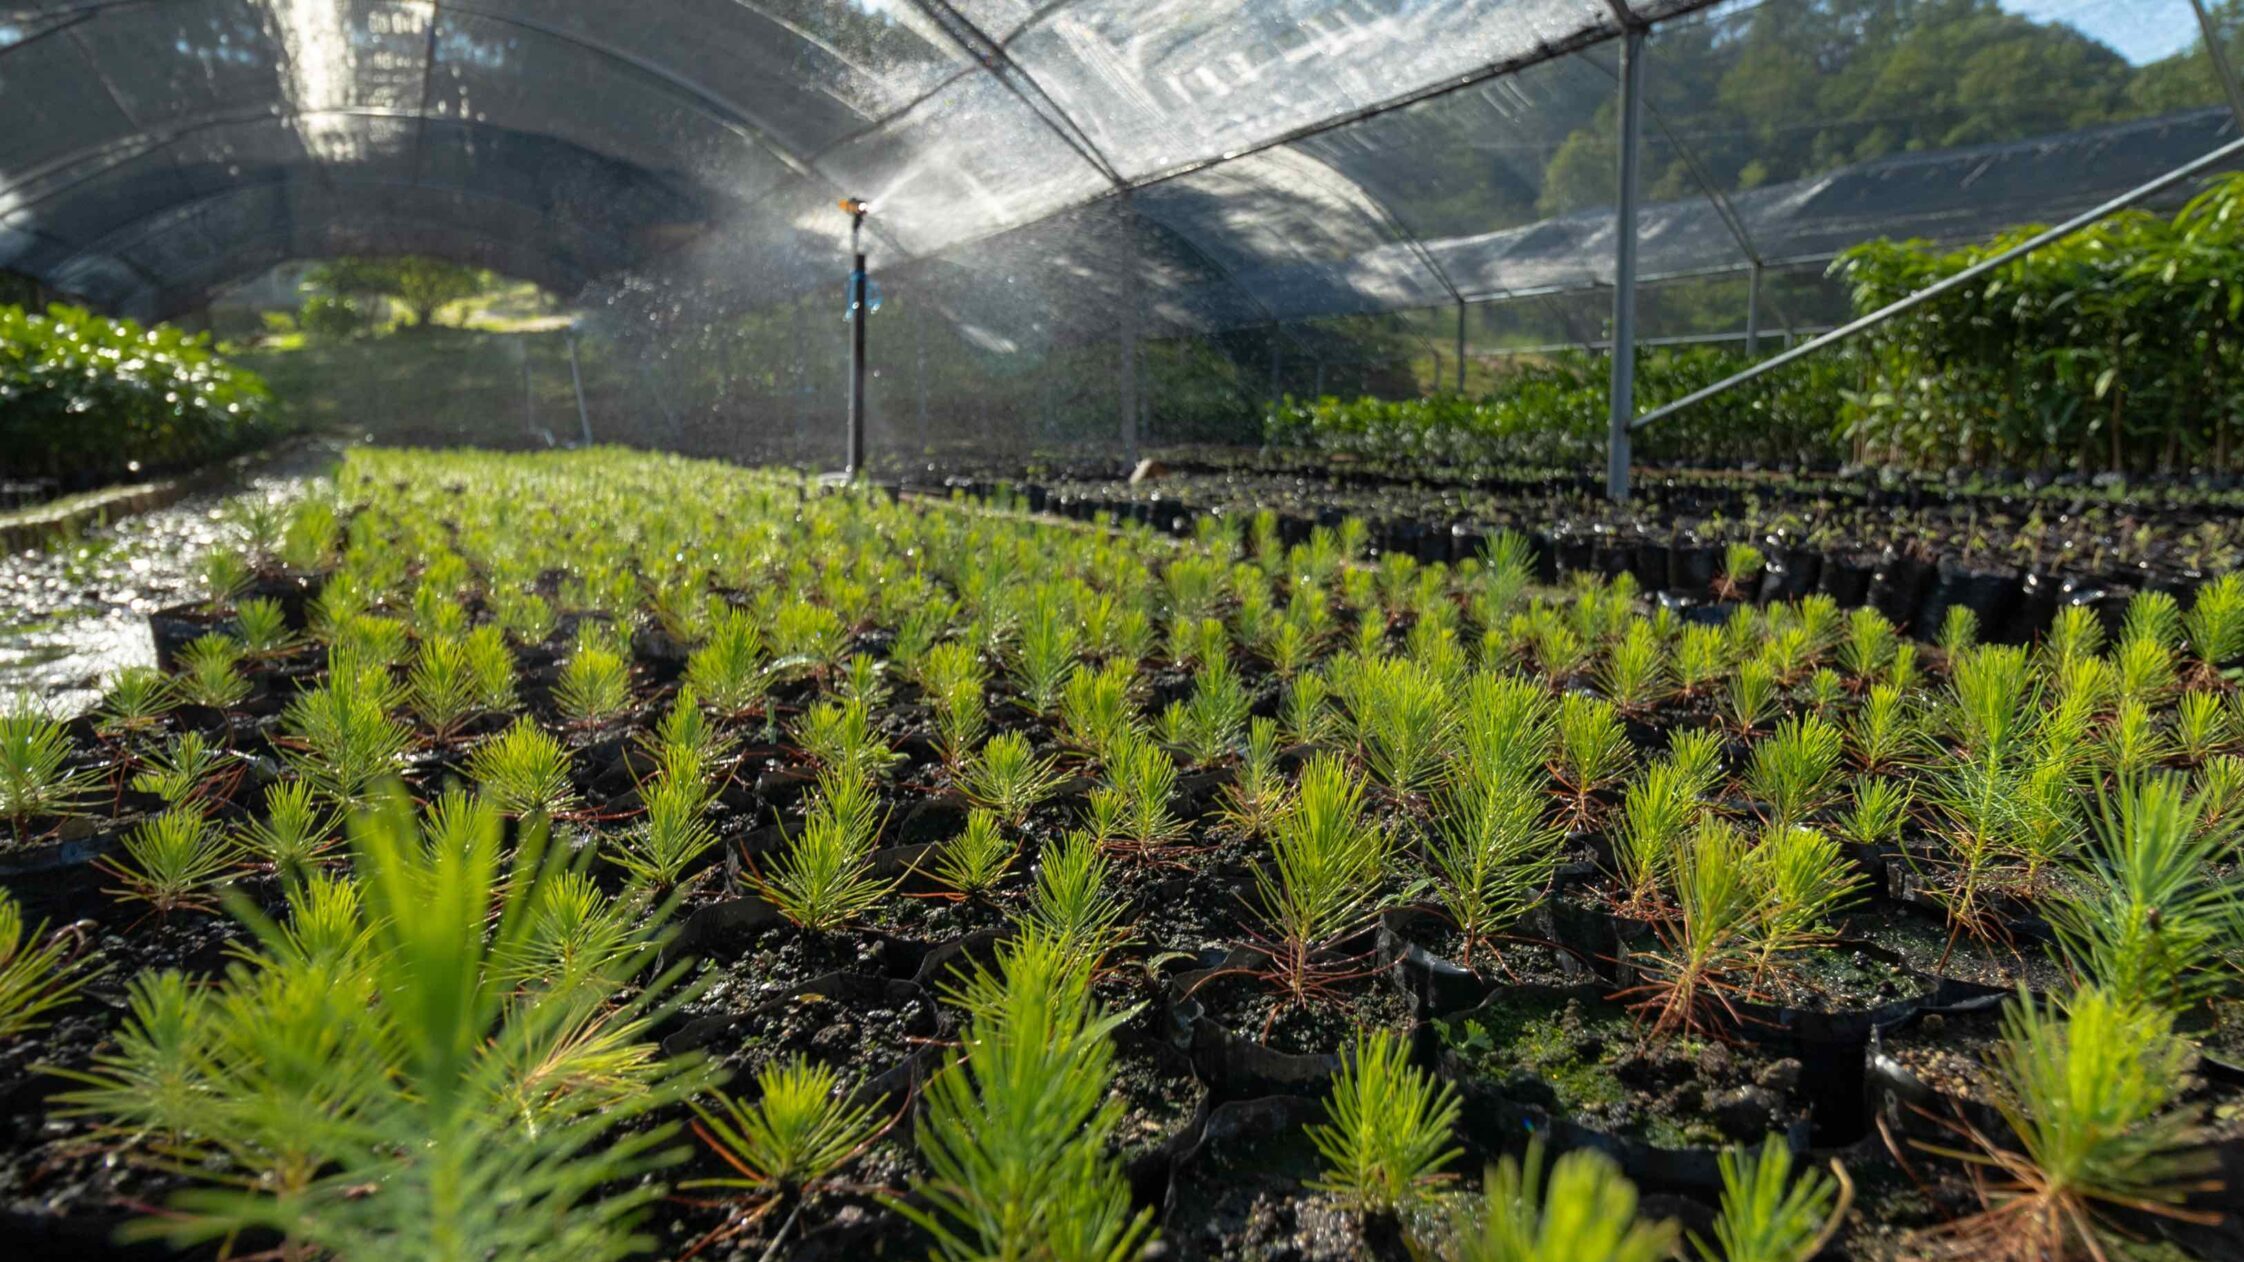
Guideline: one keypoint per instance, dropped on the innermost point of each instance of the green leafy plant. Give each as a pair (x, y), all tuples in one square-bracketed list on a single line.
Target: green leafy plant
[(1389, 1128), (1741, 568), (524, 772), (376, 1041), (265, 633), (1257, 792), (2144, 919), (443, 687), (1402, 720)]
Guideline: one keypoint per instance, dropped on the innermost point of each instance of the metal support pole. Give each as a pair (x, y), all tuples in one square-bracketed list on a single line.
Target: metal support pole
[(1275, 362), (1129, 342), (1460, 347), (1950, 283), (576, 383), (2222, 69), (529, 396), (1622, 401), (919, 378), (1753, 310), (856, 464), (1320, 387)]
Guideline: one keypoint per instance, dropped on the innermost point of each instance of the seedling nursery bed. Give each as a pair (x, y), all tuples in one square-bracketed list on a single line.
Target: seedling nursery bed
[(601, 854)]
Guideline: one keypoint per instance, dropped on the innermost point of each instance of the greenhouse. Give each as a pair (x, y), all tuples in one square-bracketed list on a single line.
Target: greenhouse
[(1113, 630)]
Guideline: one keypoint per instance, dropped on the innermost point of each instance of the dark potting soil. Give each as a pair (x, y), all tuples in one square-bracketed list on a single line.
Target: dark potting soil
[(1839, 979), (1254, 1008), (1594, 1063), (1926, 947)]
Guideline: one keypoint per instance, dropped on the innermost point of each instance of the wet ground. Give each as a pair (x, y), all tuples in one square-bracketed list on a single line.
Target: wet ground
[(77, 610)]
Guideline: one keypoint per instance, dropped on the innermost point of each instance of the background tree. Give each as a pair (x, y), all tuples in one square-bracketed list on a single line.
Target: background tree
[(420, 285)]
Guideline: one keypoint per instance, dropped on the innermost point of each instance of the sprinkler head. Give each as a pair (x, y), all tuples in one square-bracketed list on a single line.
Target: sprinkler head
[(854, 206)]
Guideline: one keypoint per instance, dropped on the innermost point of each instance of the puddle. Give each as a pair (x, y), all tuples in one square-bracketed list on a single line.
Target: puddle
[(77, 611)]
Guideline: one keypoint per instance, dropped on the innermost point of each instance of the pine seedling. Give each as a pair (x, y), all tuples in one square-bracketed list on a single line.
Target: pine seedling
[(1959, 631), (1507, 727), (442, 688), (823, 880), (296, 834), (2133, 745), (1257, 792), (1327, 861), (1803, 880), (1491, 856), (728, 672), (839, 736), (1697, 755), (1868, 646), (1095, 707), (1718, 902), (2215, 626), (1701, 658), (1389, 1128), (36, 779), (524, 772), (1885, 731), (808, 637), (135, 703), (2144, 920), (1995, 692), (210, 672), (340, 736), (1752, 696), (265, 633), (2075, 633), (1635, 676), (953, 677), (971, 864), (686, 744), (801, 1128), (594, 686), (1877, 811), (186, 772), (1207, 726), (1044, 656), (2089, 1098), (1585, 1211), (674, 836), (1071, 901), (2154, 616), (1741, 568), (1768, 1215), (1018, 1126), (1658, 812), (172, 862), (39, 972), (1592, 750), (1794, 771), (1139, 783), (1304, 715), (2143, 670), (1008, 779), (2202, 727), (1403, 721), (491, 663)]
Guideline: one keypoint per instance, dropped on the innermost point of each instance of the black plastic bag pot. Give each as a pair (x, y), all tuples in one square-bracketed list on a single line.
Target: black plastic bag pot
[(2038, 597), (1991, 595), (1693, 569), (1845, 580), (1898, 589), (1790, 574)]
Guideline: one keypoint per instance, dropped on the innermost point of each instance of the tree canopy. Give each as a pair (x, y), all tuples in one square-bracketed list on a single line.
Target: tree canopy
[(420, 285)]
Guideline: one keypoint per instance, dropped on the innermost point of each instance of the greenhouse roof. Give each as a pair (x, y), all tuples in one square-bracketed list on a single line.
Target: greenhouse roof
[(1243, 161)]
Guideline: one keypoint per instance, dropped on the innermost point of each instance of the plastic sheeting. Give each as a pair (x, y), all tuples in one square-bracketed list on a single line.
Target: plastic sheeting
[(1033, 164)]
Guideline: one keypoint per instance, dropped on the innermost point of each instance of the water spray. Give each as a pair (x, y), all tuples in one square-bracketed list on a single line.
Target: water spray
[(856, 209)]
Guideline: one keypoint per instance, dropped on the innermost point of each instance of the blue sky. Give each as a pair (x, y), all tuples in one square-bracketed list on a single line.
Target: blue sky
[(2141, 30)]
